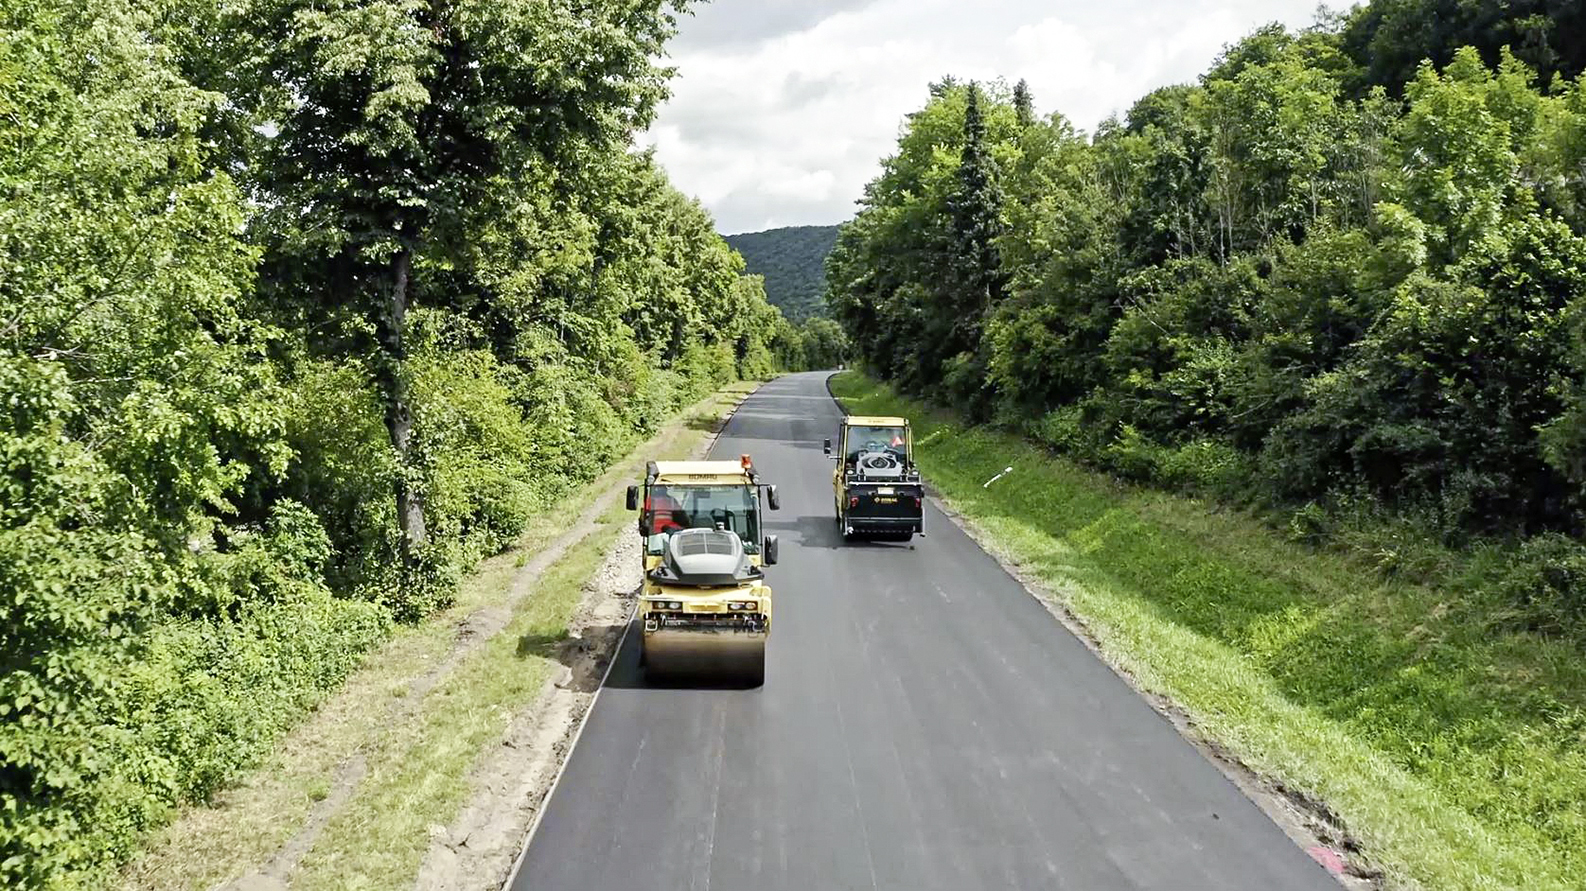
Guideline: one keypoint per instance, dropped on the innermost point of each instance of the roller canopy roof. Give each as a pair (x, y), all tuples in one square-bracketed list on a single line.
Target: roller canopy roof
[(682, 470)]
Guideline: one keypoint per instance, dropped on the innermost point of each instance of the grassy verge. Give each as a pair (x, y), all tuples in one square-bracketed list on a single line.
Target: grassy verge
[(410, 773), (1453, 751), (418, 775)]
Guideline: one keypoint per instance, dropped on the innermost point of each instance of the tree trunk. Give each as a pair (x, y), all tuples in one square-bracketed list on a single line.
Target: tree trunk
[(399, 417)]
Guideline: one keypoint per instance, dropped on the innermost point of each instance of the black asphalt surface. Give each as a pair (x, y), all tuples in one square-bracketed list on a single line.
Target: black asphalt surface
[(925, 724)]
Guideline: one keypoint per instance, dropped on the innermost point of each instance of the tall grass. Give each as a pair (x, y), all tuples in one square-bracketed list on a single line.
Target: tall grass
[(1450, 743)]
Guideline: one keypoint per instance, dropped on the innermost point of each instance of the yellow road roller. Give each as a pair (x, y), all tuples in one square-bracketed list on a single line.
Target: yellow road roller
[(705, 608)]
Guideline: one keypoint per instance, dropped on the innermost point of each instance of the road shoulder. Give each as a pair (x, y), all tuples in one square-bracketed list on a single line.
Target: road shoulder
[(1308, 822), (388, 773), (1446, 742)]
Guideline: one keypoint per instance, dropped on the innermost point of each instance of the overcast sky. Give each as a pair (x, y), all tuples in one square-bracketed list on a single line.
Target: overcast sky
[(782, 108)]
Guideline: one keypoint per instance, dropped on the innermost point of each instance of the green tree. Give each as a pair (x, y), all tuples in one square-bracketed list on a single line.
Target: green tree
[(975, 282), (1361, 296), (1389, 39), (1023, 104), (1062, 254), (138, 399), (401, 122), (273, 270), (824, 344)]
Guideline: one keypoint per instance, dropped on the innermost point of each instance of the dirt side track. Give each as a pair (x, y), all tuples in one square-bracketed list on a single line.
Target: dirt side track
[(265, 832)]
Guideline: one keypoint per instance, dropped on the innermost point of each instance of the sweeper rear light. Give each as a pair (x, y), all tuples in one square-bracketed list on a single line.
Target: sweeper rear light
[(746, 462)]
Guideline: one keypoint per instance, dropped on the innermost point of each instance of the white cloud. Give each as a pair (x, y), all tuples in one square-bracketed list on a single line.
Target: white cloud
[(781, 119), (813, 185)]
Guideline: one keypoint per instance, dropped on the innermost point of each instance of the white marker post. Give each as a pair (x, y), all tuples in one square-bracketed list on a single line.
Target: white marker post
[(1005, 472)]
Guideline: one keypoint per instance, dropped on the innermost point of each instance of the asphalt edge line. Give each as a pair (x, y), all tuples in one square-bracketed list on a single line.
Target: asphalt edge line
[(583, 721), (561, 770), (1269, 794)]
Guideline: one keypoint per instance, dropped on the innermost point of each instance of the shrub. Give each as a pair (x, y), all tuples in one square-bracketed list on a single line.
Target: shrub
[(757, 363), (477, 452), (117, 714), (706, 368), (1060, 429), (1546, 584), (1132, 456), (345, 472), (1207, 466)]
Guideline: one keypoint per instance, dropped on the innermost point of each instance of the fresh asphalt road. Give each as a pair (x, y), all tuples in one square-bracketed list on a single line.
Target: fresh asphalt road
[(925, 724)]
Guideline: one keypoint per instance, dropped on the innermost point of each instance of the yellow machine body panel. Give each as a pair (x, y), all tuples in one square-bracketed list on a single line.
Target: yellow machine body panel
[(700, 473), (720, 628)]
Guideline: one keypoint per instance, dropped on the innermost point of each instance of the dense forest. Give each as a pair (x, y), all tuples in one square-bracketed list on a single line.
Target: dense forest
[(1341, 277), (1387, 40), (305, 307), (793, 262)]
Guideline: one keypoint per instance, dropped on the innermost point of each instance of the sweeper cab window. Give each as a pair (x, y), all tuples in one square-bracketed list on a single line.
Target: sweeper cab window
[(862, 439)]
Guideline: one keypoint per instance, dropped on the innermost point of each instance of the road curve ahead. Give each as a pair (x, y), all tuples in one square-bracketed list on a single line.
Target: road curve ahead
[(925, 724)]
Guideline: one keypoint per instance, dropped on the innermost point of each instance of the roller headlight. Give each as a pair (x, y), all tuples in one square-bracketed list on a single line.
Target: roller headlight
[(742, 606)]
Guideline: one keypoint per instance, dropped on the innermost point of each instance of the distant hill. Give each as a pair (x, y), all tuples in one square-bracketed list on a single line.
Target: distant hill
[(793, 261)]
